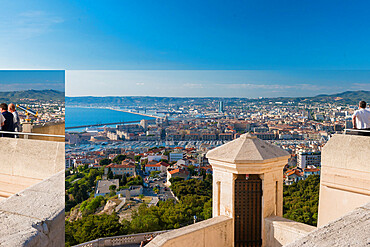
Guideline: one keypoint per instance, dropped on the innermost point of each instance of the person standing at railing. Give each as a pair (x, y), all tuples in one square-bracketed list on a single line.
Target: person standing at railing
[(8, 123), (2, 122), (361, 117), (16, 120)]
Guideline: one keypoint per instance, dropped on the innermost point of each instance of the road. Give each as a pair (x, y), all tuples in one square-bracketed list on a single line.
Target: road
[(164, 191)]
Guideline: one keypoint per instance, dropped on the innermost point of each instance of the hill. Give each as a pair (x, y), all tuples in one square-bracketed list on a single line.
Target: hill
[(351, 97), (348, 97), (31, 96)]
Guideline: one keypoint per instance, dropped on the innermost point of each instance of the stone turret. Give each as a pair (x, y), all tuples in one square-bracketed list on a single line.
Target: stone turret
[(248, 185)]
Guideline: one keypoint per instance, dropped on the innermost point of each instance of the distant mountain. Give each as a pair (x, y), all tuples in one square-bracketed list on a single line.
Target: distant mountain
[(352, 97), (31, 96), (349, 97)]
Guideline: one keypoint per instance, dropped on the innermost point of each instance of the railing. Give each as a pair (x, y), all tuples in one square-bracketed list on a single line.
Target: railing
[(30, 134), (364, 132), (121, 240)]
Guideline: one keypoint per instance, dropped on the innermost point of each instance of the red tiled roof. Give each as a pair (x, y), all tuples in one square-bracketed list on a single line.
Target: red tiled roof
[(311, 169), (178, 171), (120, 166), (162, 163), (293, 171), (152, 165)]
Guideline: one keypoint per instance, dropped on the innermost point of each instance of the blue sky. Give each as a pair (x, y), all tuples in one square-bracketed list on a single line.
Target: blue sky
[(18, 80), (185, 35)]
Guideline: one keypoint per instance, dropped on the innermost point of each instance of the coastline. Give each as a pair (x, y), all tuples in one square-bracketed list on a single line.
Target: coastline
[(114, 112), (137, 113), (114, 109)]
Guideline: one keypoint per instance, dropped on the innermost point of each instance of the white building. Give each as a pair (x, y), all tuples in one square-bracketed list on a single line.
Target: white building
[(176, 156), (308, 159)]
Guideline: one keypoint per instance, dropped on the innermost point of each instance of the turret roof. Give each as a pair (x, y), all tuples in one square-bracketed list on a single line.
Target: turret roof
[(246, 148)]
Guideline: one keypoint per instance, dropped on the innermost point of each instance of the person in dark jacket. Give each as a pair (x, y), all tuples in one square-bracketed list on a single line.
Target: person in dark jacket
[(8, 124)]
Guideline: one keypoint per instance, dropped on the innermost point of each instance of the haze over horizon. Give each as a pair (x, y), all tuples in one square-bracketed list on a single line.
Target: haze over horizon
[(215, 83), (21, 80)]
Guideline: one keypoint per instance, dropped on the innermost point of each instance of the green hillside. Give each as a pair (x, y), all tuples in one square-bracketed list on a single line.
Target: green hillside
[(31, 96)]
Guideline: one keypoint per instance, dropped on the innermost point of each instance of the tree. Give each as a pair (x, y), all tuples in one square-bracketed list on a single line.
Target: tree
[(123, 180), (301, 200), (119, 158), (137, 158), (176, 179), (135, 180), (105, 162), (112, 189), (93, 227), (192, 171), (156, 190), (110, 173), (195, 199), (153, 174)]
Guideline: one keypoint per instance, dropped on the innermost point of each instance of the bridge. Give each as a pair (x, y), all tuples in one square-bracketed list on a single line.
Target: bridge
[(102, 124)]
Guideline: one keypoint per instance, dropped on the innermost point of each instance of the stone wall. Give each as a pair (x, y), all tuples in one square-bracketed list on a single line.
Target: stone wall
[(351, 229), (215, 232), (47, 128), (25, 162), (129, 240), (34, 216), (32, 189), (345, 176), (31, 159), (281, 231)]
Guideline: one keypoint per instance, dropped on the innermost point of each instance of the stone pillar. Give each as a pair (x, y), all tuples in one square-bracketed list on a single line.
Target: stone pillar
[(245, 156), (27, 128), (345, 176)]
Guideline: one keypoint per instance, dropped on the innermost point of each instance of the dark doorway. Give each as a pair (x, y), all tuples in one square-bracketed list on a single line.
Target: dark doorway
[(248, 201)]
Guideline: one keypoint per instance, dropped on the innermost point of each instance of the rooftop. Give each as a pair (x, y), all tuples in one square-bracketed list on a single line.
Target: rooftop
[(102, 186), (245, 149)]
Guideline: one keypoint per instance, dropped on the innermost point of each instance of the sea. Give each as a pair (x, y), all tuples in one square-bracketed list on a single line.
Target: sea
[(77, 116)]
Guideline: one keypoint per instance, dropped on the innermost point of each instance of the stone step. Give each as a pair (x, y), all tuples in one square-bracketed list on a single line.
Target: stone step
[(11, 188), (5, 194), (2, 198)]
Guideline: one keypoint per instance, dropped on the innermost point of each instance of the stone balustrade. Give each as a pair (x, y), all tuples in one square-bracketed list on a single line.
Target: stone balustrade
[(121, 240), (214, 232), (281, 231)]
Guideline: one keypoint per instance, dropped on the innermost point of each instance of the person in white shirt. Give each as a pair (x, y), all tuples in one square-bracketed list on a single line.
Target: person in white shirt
[(2, 121), (16, 120), (361, 117)]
